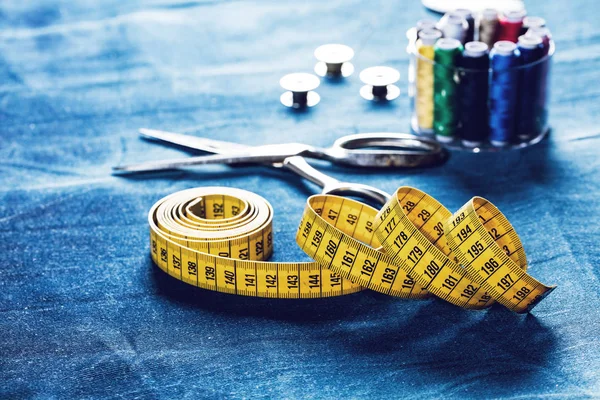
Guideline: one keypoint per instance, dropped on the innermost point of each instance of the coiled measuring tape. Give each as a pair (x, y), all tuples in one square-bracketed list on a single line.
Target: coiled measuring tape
[(219, 238)]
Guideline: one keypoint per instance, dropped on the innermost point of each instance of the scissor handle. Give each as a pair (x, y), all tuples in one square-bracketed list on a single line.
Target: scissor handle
[(401, 150), (300, 167), (331, 185), (374, 196)]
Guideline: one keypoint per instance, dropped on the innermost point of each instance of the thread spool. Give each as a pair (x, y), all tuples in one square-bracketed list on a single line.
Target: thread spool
[(488, 27), (473, 74), (468, 16), (544, 34), (504, 89), (530, 117), (424, 84), (379, 83), (445, 89), (532, 22), (299, 88), (425, 23), (510, 26), (454, 26), (334, 60)]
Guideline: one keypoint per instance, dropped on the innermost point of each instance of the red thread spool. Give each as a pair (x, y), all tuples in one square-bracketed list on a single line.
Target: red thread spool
[(510, 26)]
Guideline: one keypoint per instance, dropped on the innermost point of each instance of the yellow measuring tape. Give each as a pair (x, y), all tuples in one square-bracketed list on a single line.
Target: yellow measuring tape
[(218, 238)]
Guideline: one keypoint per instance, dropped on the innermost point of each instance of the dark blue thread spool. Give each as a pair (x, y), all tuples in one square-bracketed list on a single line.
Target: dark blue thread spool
[(532, 82), (543, 33), (504, 89), (468, 16), (474, 74), (545, 66)]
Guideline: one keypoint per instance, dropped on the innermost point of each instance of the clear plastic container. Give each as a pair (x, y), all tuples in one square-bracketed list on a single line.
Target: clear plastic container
[(520, 141)]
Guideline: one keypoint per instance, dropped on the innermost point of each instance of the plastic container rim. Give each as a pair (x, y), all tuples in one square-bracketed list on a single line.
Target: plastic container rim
[(412, 50)]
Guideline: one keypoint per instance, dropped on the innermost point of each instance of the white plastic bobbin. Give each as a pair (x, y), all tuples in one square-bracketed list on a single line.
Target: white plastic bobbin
[(379, 83), (300, 88), (334, 60)]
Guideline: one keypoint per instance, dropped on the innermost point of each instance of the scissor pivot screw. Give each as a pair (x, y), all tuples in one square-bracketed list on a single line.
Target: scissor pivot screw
[(300, 88), (334, 60), (379, 83)]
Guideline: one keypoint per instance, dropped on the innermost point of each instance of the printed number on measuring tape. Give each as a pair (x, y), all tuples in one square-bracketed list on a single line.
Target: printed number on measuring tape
[(219, 238)]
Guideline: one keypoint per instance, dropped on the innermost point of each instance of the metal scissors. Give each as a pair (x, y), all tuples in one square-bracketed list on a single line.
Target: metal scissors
[(296, 164), (360, 150)]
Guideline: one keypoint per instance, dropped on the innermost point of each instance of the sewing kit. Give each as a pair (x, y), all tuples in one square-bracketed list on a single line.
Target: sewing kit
[(478, 82), (481, 82)]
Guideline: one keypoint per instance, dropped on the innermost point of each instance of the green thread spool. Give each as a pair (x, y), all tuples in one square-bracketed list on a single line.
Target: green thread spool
[(445, 89)]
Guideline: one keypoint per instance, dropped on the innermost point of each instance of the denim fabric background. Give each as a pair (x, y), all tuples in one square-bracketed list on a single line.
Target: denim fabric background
[(85, 313)]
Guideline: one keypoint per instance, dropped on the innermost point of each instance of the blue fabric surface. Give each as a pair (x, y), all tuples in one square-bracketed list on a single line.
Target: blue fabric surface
[(85, 313)]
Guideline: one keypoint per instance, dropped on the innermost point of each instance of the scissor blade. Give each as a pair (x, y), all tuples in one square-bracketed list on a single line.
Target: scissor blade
[(193, 142), (260, 154)]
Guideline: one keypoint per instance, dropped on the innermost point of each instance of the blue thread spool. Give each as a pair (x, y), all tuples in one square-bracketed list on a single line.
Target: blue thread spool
[(504, 89), (474, 73), (530, 116)]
